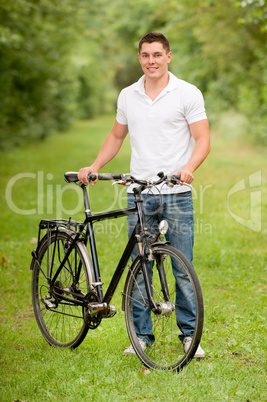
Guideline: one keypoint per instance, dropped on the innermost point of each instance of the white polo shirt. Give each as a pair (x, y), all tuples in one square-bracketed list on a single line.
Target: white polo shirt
[(159, 133)]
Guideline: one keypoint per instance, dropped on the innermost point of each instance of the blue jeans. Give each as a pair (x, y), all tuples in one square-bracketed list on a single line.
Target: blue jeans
[(177, 210)]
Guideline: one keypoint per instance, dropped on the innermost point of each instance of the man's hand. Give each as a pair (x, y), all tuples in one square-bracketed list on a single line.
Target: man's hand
[(83, 174), (186, 176)]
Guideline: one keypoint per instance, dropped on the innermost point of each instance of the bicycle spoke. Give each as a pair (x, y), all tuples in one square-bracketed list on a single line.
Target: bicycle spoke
[(61, 322)]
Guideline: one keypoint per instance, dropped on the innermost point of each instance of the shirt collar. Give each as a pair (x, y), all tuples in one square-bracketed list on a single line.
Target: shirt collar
[(173, 84)]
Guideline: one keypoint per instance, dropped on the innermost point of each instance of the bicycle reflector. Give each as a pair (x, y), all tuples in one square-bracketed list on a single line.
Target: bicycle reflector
[(163, 227)]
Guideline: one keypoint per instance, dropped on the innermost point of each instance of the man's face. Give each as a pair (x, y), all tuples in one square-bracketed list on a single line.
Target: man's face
[(154, 59)]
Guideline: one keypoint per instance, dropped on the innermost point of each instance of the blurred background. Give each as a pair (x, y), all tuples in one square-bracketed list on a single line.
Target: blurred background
[(67, 60), (62, 65)]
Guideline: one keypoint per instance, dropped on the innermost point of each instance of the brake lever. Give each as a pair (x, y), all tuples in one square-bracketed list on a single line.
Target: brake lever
[(171, 182)]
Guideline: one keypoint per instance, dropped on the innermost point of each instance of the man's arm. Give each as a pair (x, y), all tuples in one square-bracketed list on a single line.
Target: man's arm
[(109, 149), (201, 135)]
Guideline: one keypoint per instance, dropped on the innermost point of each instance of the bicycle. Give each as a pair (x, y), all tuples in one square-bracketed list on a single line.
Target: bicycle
[(67, 290)]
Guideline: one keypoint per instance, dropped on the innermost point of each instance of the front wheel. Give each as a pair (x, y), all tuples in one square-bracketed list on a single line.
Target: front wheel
[(177, 290), (61, 322)]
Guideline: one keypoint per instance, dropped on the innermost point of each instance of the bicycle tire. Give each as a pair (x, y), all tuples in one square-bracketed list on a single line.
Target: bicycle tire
[(62, 325), (166, 352)]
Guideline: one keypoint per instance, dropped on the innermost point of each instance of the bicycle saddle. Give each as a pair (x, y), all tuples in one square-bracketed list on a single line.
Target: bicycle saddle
[(71, 177)]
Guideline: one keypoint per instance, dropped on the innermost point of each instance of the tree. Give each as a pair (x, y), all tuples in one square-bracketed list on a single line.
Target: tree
[(67, 59)]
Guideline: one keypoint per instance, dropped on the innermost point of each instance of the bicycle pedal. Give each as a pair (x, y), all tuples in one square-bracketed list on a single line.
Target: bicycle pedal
[(111, 311), (95, 307)]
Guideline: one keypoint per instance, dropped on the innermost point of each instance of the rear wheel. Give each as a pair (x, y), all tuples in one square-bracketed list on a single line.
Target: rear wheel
[(61, 322), (163, 333)]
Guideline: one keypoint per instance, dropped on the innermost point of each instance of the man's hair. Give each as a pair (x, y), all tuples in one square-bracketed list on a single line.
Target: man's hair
[(155, 37)]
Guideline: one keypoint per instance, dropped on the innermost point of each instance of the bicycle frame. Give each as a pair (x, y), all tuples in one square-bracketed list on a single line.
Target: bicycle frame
[(134, 239)]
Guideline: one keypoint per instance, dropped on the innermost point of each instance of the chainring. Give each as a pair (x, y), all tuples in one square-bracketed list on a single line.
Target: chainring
[(92, 321)]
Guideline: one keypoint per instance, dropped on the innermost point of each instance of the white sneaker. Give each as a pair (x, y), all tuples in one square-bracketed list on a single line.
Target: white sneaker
[(130, 350), (186, 344)]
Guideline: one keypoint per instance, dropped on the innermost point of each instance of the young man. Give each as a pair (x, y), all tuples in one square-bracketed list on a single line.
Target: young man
[(164, 117)]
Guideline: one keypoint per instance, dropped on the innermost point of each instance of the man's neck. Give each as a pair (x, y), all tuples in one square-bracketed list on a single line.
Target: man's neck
[(153, 87)]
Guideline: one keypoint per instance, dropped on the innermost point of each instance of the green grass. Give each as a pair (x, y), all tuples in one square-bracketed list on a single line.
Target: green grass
[(230, 260)]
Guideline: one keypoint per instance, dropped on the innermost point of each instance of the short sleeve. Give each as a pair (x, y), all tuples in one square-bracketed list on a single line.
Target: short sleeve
[(194, 106), (121, 112)]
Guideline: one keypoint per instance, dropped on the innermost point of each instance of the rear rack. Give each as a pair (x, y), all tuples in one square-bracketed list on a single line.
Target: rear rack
[(67, 223), (50, 224)]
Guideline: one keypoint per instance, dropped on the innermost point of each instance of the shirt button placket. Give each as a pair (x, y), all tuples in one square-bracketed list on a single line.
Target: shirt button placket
[(152, 110)]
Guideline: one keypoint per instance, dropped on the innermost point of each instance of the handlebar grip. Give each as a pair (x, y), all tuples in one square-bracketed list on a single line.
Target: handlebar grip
[(104, 176), (110, 176), (177, 176)]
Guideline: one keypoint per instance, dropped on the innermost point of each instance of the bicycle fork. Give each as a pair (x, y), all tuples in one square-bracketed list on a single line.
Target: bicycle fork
[(158, 308)]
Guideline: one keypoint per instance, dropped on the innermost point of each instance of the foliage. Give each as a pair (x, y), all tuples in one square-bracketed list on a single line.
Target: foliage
[(255, 21), (61, 60), (45, 72), (34, 85), (255, 13)]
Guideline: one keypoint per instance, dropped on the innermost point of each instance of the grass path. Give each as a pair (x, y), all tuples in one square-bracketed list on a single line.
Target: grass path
[(230, 196)]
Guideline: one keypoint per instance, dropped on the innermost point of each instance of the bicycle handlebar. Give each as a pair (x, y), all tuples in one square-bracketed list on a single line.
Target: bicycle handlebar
[(71, 177), (106, 176)]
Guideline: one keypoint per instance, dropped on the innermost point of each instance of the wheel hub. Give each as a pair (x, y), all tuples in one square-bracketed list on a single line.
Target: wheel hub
[(165, 309)]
